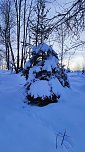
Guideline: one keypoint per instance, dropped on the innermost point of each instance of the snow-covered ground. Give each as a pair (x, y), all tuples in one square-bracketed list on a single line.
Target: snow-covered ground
[(58, 127)]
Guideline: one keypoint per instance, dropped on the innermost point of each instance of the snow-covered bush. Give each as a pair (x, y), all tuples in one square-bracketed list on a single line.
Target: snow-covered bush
[(45, 78)]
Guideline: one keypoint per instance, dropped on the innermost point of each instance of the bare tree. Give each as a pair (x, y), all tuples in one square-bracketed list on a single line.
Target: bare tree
[(5, 30), (26, 41), (42, 24), (18, 5)]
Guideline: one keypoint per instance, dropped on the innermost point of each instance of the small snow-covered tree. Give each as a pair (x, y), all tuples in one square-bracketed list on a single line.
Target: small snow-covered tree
[(44, 78)]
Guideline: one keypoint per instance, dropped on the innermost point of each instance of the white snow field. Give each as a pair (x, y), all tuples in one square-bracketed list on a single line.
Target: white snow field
[(58, 127)]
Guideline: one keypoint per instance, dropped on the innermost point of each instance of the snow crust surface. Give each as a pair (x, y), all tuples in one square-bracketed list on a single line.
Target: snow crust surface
[(26, 128)]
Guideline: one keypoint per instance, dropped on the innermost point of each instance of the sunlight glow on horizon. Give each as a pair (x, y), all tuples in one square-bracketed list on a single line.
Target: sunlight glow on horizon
[(76, 63)]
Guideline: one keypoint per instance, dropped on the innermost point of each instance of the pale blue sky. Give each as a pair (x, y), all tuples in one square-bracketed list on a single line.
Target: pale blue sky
[(77, 60)]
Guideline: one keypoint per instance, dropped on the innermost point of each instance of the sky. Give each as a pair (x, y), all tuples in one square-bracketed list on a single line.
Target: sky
[(77, 60)]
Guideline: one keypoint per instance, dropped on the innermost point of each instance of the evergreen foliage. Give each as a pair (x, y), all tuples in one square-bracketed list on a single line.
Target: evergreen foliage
[(43, 71)]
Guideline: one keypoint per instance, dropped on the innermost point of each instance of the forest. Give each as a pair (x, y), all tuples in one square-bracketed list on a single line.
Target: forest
[(27, 23)]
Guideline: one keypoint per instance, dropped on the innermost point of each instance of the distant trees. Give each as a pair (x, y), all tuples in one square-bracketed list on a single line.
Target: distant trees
[(7, 24), (14, 30)]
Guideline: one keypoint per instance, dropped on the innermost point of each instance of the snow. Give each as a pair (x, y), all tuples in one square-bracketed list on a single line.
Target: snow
[(56, 86), (32, 71), (36, 68), (50, 63), (40, 88), (26, 128), (47, 66), (27, 64), (44, 47)]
